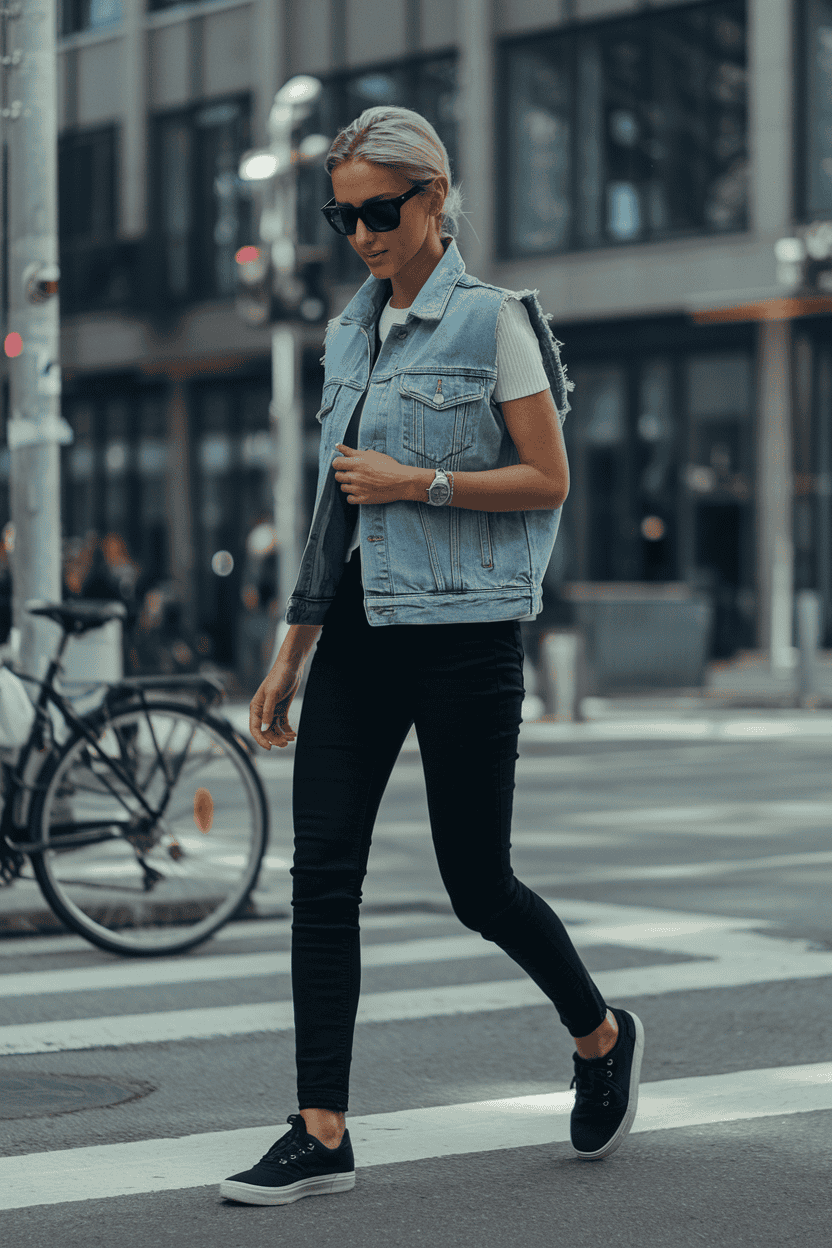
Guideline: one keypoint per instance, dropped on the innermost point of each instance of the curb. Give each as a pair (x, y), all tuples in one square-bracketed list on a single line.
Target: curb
[(641, 724)]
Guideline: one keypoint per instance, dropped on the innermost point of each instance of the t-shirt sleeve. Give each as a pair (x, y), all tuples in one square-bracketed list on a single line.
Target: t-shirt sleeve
[(520, 368)]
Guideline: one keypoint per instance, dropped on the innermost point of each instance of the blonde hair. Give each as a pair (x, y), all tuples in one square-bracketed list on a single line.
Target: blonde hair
[(399, 139)]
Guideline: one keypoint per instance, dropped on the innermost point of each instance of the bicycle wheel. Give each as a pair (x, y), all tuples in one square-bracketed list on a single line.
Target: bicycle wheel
[(134, 873)]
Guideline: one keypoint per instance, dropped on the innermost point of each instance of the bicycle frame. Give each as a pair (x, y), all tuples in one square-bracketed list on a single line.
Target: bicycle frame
[(122, 693)]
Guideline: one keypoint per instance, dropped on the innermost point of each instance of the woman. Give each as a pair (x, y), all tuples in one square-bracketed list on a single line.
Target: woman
[(442, 473)]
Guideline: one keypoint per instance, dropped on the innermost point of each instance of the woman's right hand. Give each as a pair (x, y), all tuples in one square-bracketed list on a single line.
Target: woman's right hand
[(270, 706)]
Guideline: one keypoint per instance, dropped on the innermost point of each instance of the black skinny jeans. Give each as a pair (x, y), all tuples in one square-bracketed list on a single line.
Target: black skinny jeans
[(462, 686)]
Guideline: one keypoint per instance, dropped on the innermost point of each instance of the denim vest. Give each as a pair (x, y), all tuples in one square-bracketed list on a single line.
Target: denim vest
[(427, 402)]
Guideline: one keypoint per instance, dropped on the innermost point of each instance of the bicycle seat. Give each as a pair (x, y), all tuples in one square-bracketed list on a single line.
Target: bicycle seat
[(77, 617)]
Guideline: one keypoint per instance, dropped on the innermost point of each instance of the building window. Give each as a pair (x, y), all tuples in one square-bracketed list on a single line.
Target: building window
[(79, 15), (203, 211), (660, 445), (625, 132), (97, 270), (427, 84), (817, 128), (87, 186), (234, 506)]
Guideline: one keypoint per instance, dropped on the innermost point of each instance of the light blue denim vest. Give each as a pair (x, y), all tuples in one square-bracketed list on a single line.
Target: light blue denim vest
[(428, 404)]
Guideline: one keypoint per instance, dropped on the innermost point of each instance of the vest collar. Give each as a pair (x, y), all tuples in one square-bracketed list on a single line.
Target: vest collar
[(430, 303)]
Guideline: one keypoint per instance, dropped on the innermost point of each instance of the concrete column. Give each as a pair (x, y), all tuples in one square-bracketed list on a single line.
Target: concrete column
[(476, 134), (775, 558), (134, 161), (771, 104), (270, 62), (178, 502)]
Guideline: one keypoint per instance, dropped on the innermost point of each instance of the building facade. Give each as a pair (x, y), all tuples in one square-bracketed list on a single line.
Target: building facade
[(634, 162)]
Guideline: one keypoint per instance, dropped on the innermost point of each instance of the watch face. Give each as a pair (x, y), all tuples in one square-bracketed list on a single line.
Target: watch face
[(440, 492)]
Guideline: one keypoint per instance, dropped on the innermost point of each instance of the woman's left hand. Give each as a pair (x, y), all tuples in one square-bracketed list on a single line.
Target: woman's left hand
[(370, 476)]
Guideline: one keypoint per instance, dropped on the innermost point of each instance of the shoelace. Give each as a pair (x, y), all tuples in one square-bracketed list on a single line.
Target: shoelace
[(596, 1085), (280, 1150)]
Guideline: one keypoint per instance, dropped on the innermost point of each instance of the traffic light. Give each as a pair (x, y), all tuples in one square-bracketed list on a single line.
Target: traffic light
[(267, 295), (254, 284)]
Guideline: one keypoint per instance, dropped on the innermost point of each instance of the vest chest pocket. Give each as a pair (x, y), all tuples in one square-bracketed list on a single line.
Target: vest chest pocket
[(439, 414), (328, 398)]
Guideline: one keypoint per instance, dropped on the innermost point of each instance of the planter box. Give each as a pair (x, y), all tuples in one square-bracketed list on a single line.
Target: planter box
[(641, 635)]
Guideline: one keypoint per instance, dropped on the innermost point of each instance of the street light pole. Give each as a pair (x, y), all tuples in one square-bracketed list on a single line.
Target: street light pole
[(279, 229), (35, 430), (277, 167)]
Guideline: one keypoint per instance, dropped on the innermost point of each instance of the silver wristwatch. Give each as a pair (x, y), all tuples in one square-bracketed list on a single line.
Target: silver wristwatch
[(441, 489)]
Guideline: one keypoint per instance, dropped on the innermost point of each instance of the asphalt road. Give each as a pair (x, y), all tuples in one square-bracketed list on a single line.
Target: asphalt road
[(695, 880)]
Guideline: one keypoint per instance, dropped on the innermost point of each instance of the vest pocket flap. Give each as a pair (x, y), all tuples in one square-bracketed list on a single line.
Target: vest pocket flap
[(441, 391), (328, 398)]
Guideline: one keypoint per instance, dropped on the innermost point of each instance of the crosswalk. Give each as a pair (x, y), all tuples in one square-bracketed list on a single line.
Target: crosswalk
[(673, 952)]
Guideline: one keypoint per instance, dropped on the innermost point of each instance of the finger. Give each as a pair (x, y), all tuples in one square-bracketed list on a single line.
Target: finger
[(260, 719), (255, 720), (257, 733), (281, 733)]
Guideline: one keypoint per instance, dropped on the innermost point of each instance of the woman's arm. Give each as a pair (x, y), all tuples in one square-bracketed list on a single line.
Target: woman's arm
[(539, 482)]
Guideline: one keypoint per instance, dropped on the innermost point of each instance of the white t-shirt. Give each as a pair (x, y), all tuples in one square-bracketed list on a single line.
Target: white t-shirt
[(520, 368)]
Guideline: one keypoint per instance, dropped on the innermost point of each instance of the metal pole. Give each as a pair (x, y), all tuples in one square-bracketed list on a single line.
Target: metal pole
[(808, 633), (286, 424), (774, 496), (36, 429)]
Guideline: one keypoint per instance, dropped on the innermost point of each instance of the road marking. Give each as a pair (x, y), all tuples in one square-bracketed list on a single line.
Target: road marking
[(254, 929), (756, 967), (680, 870), (680, 934), (720, 819), (112, 1170), (758, 728)]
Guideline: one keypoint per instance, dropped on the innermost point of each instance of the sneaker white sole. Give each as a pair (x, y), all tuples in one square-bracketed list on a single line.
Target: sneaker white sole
[(632, 1105), (321, 1185)]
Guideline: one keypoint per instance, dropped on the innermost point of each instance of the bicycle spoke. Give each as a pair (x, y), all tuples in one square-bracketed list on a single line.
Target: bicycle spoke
[(158, 883)]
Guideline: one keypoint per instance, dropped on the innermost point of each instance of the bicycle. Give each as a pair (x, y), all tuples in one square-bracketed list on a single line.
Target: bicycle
[(104, 809)]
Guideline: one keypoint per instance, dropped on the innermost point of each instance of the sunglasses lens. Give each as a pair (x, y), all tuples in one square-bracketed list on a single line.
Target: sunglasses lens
[(337, 221), (382, 217)]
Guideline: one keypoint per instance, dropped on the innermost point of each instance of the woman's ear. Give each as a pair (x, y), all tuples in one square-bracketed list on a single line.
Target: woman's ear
[(438, 195)]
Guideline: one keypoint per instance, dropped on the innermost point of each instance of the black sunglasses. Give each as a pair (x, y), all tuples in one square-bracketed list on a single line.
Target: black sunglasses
[(379, 217)]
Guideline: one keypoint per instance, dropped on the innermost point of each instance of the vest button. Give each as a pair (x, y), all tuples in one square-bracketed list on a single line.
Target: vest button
[(402, 333)]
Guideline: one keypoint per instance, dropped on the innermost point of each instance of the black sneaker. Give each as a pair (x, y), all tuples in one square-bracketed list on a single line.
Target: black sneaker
[(296, 1165), (606, 1092)]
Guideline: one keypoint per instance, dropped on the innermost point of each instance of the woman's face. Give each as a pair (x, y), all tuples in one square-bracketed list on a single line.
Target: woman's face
[(356, 181)]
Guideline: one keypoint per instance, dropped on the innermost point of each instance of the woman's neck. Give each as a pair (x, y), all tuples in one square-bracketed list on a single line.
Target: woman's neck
[(409, 281)]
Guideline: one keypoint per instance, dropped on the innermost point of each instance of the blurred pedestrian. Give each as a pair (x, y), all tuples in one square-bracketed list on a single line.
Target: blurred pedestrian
[(421, 561), (160, 643)]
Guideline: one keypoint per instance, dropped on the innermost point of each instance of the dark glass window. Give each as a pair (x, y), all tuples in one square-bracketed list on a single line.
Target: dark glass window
[(113, 473), (203, 211), (427, 85), (625, 132), (88, 14), (97, 270), (87, 186), (817, 191), (660, 451)]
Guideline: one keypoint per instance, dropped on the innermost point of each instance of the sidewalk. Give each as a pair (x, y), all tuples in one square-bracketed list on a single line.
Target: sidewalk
[(741, 699)]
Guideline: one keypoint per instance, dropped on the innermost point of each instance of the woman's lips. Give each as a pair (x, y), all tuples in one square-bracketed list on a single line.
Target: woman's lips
[(374, 255)]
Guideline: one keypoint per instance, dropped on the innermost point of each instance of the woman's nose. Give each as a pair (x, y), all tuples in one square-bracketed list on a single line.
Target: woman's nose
[(363, 236)]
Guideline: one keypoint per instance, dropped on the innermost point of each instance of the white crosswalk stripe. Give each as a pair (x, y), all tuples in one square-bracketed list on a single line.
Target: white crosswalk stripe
[(716, 951), (409, 1135)]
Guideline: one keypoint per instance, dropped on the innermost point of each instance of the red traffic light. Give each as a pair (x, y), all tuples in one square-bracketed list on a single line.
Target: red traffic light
[(248, 255)]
